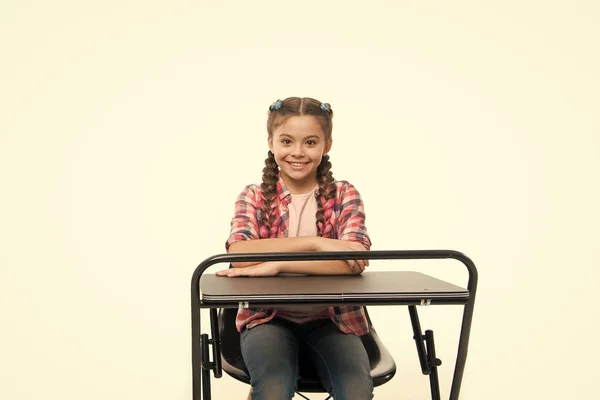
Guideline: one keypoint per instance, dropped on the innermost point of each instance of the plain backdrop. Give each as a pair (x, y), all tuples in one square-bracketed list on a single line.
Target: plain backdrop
[(127, 129)]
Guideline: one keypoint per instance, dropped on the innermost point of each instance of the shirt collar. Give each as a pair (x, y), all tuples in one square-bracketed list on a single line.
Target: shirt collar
[(282, 190)]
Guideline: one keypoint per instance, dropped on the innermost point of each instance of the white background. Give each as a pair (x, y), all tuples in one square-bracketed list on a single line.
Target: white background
[(127, 129)]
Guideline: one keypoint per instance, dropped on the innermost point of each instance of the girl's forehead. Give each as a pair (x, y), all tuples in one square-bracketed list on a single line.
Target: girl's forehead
[(300, 125)]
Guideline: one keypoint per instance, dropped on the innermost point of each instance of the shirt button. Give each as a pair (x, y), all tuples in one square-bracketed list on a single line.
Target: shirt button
[(281, 234), (284, 208)]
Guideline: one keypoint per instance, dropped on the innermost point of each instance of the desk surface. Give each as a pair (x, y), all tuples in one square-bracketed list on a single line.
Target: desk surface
[(376, 285)]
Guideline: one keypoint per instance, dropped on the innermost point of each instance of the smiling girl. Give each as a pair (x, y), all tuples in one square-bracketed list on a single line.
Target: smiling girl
[(300, 207)]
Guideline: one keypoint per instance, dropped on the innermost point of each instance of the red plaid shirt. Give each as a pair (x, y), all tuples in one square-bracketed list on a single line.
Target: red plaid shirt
[(348, 220)]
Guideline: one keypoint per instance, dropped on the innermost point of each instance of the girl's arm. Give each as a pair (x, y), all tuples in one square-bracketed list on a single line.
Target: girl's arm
[(293, 244), (300, 244), (279, 245), (272, 268)]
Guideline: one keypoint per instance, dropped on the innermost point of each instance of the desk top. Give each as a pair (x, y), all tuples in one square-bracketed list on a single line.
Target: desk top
[(375, 285)]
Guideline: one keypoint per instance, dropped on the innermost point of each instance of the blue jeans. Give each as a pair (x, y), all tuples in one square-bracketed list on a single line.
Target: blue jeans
[(271, 353)]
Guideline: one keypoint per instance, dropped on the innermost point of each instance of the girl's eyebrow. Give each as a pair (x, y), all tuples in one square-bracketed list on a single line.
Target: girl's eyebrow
[(290, 136)]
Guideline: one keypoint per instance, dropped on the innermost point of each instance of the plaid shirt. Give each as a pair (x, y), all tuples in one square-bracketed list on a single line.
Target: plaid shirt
[(348, 220)]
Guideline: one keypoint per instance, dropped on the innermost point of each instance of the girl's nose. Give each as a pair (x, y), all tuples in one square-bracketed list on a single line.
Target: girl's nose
[(298, 151)]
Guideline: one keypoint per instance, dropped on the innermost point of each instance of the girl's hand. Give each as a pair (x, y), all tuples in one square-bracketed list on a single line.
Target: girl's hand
[(262, 269), (325, 244)]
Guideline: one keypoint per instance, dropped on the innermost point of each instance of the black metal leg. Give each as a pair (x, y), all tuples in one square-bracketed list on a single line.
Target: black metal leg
[(463, 347), (206, 366), (201, 365), (433, 362), (418, 337), (427, 358), (196, 353), (206, 384), (216, 343)]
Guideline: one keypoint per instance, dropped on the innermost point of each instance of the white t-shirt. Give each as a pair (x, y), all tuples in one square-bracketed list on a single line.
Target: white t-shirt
[(302, 213)]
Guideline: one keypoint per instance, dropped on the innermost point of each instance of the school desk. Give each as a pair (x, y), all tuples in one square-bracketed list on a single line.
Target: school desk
[(371, 288)]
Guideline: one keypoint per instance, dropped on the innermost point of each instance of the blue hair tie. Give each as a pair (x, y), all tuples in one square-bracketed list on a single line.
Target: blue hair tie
[(276, 106), (326, 107)]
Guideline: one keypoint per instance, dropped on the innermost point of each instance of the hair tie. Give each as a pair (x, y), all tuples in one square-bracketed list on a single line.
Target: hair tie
[(276, 106), (326, 107)]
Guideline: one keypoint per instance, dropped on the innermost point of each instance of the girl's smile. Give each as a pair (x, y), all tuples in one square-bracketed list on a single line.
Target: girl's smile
[(297, 165)]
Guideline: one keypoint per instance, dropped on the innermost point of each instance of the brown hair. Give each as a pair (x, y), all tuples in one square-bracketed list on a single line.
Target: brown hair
[(279, 112)]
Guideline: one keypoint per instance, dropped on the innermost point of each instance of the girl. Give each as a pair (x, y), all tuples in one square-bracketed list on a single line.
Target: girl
[(300, 207)]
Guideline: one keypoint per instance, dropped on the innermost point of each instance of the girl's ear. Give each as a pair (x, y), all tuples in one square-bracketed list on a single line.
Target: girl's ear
[(270, 141), (328, 146)]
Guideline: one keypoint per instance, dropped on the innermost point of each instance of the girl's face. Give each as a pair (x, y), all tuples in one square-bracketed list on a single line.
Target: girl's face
[(298, 145)]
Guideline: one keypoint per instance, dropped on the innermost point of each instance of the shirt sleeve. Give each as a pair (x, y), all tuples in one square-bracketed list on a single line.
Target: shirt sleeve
[(244, 224), (352, 217)]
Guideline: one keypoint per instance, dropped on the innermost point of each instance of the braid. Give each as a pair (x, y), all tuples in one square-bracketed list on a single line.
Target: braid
[(325, 197), (269, 190)]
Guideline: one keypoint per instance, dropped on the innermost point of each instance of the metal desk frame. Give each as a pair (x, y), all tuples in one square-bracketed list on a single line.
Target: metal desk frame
[(201, 365)]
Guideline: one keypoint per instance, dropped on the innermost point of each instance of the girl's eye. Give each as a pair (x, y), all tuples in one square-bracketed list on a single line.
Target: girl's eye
[(286, 141), (311, 142)]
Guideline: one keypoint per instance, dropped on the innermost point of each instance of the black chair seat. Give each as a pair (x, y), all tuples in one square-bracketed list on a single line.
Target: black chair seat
[(383, 367)]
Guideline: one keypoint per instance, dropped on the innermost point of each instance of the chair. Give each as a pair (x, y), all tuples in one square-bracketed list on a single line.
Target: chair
[(383, 367)]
